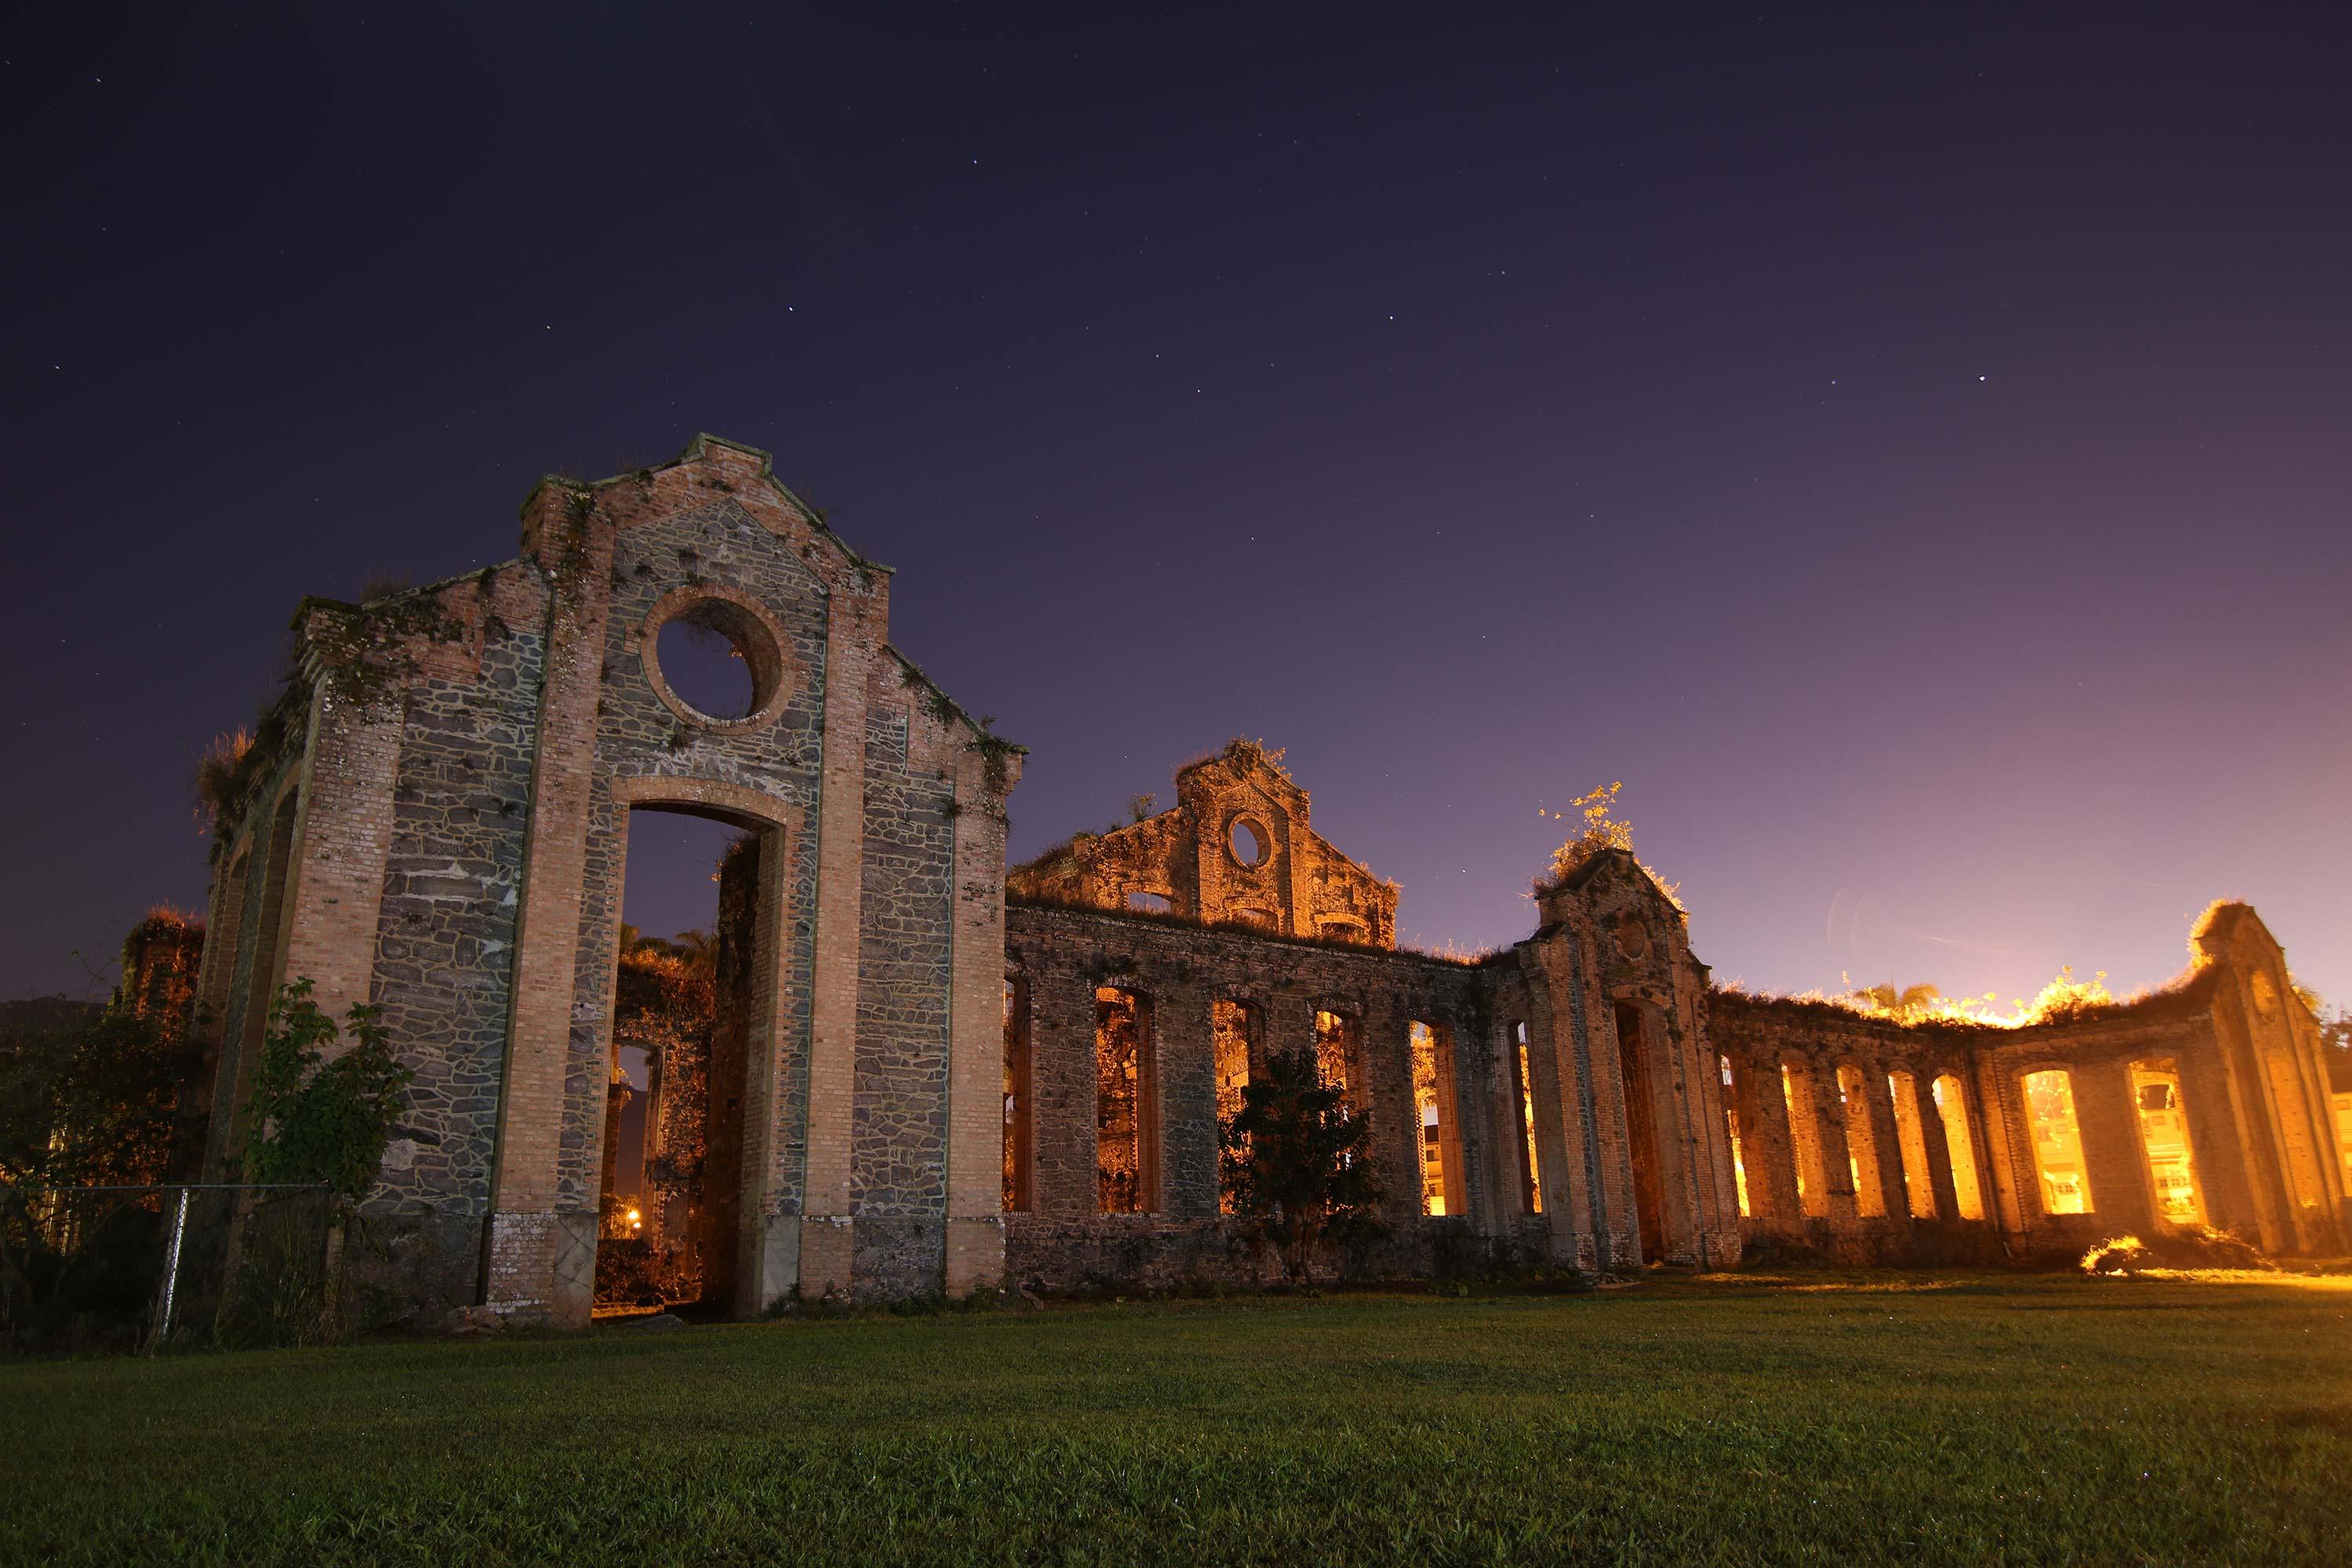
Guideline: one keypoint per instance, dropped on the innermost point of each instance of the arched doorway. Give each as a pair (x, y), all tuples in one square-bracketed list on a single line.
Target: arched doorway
[(690, 1036)]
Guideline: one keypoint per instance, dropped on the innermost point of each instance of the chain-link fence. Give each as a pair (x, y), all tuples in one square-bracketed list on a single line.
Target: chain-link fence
[(91, 1270)]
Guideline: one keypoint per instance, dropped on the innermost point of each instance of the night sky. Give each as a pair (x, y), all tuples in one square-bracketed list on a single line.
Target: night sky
[(1912, 452)]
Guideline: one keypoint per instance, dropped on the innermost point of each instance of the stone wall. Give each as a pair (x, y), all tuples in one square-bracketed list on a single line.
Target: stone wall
[(438, 822), (1059, 957)]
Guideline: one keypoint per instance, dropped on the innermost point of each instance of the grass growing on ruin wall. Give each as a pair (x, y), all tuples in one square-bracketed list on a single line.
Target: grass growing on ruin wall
[(1919, 1418)]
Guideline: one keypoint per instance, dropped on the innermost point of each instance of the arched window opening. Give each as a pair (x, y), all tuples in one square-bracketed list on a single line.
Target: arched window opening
[(1522, 1106), (1911, 1137), (1731, 1127), (1432, 1097), (2057, 1141), (1642, 1131), (1959, 1148), (1018, 1097), (1338, 1053), (2164, 1135), (1804, 1140), (1146, 901), (1126, 1141), (1232, 1036)]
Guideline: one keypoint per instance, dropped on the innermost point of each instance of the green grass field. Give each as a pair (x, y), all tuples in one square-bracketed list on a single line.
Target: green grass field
[(1948, 1418)]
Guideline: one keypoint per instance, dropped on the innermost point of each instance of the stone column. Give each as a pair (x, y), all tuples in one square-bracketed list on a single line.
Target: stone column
[(1828, 1134), (824, 1241), (1184, 1063), (1885, 1139), (1767, 1147), (975, 1219), (1939, 1154), (2112, 1160), (540, 1263), (1581, 1205), (1396, 1114)]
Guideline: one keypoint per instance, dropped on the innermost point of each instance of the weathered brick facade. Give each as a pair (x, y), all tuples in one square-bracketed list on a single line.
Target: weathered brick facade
[(439, 824), (1235, 849), (905, 1094)]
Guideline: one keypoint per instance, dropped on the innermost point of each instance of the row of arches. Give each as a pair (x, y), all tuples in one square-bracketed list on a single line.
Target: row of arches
[(1814, 1140), (1136, 1055)]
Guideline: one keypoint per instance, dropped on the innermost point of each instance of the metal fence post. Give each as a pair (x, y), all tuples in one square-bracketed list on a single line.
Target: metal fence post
[(171, 1273)]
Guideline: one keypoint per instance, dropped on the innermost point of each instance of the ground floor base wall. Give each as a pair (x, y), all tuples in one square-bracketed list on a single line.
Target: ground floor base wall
[(403, 1270), (1873, 1244), (1143, 1252), (898, 1259)]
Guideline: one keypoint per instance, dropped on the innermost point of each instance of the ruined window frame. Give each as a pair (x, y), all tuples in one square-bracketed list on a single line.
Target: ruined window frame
[(1019, 1153), (2050, 1188), (1520, 1059), (1145, 1112)]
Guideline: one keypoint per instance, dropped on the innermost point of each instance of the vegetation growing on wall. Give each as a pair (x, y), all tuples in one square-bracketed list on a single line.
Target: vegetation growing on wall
[(1598, 831), (317, 1120)]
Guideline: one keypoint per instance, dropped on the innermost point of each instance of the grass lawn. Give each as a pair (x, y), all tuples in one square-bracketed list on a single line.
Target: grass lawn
[(1924, 1418)]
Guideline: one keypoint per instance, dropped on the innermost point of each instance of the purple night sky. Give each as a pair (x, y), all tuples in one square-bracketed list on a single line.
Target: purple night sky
[(1911, 451)]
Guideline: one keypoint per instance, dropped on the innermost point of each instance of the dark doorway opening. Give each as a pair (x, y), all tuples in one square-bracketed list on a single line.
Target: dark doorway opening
[(1641, 1132), (682, 1004)]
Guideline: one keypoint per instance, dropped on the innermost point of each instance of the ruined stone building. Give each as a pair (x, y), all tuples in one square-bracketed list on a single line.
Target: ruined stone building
[(928, 1073), (434, 817)]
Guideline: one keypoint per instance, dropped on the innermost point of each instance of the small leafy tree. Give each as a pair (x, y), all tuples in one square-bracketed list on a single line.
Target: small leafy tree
[(318, 1120), (1297, 1161), (90, 1102)]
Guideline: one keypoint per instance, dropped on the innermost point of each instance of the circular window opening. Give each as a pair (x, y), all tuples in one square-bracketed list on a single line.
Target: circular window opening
[(705, 669), (716, 661), (1249, 841)]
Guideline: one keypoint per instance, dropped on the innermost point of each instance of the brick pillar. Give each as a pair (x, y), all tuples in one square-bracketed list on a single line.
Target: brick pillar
[(1829, 1133), (1504, 1203), (975, 1196), (1886, 1138), (1396, 1115), (338, 891), (824, 1241), (1767, 1147), (2109, 1125), (2013, 1194), (540, 1262), (2223, 1178), (1939, 1152)]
